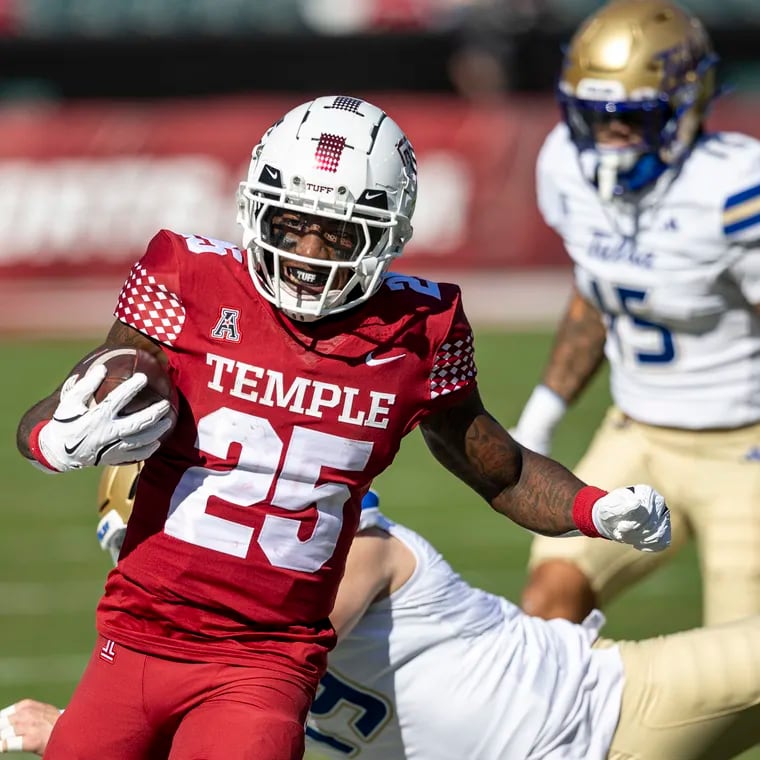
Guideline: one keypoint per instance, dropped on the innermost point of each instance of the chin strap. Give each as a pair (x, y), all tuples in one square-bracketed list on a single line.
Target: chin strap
[(610, 181), (647, 170), (606, 179)]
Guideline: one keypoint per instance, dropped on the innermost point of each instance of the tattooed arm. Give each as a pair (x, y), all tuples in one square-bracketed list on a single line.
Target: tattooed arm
[(578, 349), (118, 336), (577, 354), (536, 492)]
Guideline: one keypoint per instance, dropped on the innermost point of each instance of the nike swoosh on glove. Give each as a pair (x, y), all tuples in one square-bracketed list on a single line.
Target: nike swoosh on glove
[(636, 515), (80, 435)]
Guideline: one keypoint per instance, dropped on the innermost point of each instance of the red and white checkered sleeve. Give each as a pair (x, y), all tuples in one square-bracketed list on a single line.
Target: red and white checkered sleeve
[(454, 363), (149, 301)]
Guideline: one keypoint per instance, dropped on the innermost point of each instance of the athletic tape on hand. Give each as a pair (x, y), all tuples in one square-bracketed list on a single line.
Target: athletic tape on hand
[(13, 744)]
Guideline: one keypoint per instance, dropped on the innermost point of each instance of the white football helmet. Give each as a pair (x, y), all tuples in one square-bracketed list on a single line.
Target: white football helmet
[(347, 164)]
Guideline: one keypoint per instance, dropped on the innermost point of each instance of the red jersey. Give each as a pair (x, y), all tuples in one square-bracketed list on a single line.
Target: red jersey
[(243, 518)]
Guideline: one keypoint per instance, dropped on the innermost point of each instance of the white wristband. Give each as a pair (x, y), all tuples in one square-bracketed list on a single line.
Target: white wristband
[(543, 410)]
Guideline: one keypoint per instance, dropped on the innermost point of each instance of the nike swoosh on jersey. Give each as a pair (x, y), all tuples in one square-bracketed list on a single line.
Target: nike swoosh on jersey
[(372, 362)]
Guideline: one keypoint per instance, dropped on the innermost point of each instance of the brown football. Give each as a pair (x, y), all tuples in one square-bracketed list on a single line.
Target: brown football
[(121, 364)]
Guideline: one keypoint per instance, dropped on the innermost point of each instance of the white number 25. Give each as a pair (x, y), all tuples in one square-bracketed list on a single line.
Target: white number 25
[(249, 483)]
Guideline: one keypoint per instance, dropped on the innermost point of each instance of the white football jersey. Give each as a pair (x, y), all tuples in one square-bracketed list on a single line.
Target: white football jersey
[(444, 671), (676, 275)]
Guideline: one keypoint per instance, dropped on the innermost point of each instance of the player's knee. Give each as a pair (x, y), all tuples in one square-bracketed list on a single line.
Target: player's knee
[(558, 589)]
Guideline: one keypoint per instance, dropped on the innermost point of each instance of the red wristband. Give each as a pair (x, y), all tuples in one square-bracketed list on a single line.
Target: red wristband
[(582, 506), (34, 446)]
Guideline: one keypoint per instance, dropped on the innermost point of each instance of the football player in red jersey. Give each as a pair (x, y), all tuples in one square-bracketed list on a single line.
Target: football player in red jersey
[(215, 619)]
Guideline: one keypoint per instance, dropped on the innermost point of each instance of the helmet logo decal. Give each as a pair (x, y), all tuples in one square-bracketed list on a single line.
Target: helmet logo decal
[(336, 157), (328, 152), (676, 63), (405, 150), (344, 103), (270, 176), (374, 198)]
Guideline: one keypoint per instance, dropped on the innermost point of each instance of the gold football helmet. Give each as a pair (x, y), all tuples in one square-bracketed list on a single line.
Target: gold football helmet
[(116, 497), (647, 63)]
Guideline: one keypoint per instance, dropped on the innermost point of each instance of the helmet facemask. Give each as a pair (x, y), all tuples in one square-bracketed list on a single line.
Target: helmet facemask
[(365, 241), (307, 278)]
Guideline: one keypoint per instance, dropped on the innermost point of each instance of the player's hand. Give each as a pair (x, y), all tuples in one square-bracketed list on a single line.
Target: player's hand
[(81, 435), (111, 532), (26, 726), (636, 515)]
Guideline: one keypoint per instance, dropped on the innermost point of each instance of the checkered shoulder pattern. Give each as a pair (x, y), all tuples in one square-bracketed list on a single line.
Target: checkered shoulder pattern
[(454, 366), (150, 307)]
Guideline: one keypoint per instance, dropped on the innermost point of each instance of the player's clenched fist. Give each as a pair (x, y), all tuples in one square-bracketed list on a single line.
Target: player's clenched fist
[(636, 515)]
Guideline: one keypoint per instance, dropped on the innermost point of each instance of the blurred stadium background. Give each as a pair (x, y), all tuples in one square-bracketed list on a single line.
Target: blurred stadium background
[(118, 117)]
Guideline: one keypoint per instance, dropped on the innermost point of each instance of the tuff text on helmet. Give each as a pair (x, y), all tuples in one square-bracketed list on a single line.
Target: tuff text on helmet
[(319, 188)]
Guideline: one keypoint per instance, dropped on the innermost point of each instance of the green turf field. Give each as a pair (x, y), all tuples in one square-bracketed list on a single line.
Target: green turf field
[(52, 571)]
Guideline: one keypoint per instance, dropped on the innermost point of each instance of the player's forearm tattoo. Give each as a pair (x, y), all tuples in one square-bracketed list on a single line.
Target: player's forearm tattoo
[(124, 335), (542, 500), (471, 452), (446, 436), (578, 349), (534, 491)]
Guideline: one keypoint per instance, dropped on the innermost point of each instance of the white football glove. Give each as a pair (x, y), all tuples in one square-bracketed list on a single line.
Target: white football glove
[(80, 435), (540, 416), (636, 515)]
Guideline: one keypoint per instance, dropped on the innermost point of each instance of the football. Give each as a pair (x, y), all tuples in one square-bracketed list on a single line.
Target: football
[(121, 364)]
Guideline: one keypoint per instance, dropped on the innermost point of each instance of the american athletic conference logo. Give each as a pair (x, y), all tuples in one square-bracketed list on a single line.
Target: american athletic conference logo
[(226, 327)]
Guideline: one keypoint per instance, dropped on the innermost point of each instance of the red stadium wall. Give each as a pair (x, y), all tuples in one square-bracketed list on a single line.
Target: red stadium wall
[(83, 187)]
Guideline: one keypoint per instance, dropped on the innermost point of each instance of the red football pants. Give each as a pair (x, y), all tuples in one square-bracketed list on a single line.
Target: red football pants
[(131, 706)]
